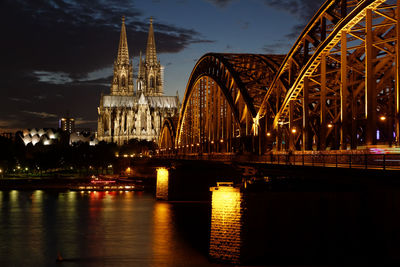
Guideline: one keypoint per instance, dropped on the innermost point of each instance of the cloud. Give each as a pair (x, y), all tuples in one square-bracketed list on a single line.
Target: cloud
[(78, 37), (19, 99), (52, 77), (276, 47), (303, 10), (41, 97), (43, 115), (82, 121), (220, 3)]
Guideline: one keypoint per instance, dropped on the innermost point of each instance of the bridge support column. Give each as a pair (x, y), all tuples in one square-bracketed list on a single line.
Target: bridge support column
[(343, 92), (262, 136), (162, 188), (279, 137), (370, 82), (292, 128), (306, 144), (322, 130), (397, 77), (226, 223)]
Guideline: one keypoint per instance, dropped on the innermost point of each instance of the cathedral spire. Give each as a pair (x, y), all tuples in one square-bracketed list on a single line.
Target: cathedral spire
[(140, 64), (123, 54), (151, 56)]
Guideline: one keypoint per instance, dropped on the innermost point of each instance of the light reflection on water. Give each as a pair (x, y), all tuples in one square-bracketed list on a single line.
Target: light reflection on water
[(91, 229)]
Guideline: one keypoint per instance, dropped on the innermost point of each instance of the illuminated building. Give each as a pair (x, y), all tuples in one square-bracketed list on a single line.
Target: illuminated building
[(127, 113), (46, 136), (67, 124)]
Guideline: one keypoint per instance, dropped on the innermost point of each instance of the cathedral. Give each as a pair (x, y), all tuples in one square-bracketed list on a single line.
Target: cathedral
[(127, 113)]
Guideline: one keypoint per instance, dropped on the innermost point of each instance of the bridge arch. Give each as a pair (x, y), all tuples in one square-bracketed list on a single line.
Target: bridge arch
[(222, 98), (338, 87), (166, 141)]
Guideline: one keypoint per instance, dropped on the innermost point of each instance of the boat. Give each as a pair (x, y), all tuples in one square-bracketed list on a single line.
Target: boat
[(108, 184)]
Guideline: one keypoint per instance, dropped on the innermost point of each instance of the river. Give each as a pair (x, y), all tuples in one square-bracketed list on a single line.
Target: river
[(101, 229)]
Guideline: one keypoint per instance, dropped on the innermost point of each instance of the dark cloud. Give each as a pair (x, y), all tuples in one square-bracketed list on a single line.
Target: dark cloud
[(303, 10), (221, 3), (43, 115), (50, 48), (276, 47)]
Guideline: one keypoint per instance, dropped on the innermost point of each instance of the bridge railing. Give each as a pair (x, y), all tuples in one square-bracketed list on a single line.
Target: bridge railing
[(336, 159)]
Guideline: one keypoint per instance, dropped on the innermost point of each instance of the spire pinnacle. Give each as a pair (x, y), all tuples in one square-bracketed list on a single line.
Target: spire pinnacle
[(151, 56), (123, 54)]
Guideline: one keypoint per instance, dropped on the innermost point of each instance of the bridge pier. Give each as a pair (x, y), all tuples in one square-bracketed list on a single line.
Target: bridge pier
[(227, 210), (162, 186)]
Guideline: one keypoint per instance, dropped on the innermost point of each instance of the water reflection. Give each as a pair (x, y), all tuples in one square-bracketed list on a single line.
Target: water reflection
[(162, 233), (106, 228)]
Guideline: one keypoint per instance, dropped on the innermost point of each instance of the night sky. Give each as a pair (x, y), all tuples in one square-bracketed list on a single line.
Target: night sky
[(57, 56)]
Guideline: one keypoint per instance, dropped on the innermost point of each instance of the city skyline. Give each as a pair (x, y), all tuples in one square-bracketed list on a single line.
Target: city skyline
[(59, 54)]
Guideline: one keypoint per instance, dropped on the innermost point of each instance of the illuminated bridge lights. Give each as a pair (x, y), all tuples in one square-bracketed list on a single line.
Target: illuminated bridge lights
[(346, 57)]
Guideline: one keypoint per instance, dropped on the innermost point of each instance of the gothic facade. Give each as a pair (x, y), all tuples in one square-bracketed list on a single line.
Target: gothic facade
[(127, 113)]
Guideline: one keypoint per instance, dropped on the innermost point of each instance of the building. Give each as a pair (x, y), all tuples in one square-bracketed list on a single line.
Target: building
[(67, 124), (45, 136), (127, 113)]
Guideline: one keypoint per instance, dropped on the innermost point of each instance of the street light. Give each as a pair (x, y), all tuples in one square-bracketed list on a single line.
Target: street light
[(382, 118), (268, 134), (330, 125), (294, 130)]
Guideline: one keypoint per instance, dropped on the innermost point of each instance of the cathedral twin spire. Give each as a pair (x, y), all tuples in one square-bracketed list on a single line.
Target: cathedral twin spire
[(123, 54), (151, 55), (150, 74)]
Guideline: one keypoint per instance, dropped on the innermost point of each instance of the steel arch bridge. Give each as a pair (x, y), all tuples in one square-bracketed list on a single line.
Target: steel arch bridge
[(337, 88)]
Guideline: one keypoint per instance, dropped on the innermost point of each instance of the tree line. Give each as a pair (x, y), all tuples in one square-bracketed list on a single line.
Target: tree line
[(39, 159)]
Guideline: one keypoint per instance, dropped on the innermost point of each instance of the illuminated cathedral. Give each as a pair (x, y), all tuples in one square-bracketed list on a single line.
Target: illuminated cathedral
[(127, 113)]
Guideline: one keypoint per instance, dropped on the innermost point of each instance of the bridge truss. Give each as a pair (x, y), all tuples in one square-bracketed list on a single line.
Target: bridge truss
[(337, 88), (339, 84), (222, 97)]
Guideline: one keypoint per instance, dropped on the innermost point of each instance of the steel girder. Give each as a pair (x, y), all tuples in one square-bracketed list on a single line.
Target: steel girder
[(222, 98), (167, 134), (341, 75)]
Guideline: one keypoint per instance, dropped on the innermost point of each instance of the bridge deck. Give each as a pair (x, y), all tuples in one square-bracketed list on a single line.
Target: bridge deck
[(354, 160)]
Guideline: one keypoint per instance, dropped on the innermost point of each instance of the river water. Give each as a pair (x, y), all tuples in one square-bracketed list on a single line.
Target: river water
[(101, 229)]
